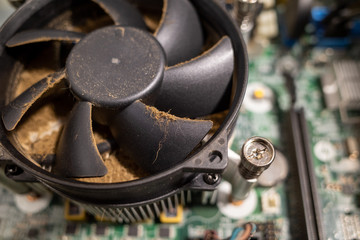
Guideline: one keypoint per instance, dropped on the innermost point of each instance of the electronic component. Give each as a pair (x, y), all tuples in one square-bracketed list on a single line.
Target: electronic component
[(165, 232), (350, 225), (353, 148), (71, 228), (267, 26), (267, 230), (172, 215), (271, 202), (33, 203), (325, 151), (101, 229), (259, 98), (346, 165), (276, 173), (74, 212), (342, 89), (134, 231), (304, 198), (335, 26)]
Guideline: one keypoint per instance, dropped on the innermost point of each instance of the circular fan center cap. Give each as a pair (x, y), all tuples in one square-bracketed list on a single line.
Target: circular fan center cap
[(114, 66)]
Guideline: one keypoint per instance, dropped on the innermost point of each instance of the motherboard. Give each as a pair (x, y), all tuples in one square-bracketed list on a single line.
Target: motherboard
[(303, 94)]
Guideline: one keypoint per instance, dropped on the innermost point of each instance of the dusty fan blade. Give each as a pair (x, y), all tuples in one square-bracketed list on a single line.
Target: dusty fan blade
[(43, 35), (156, 140), (122, 12), (15, 110), (77, 154), (179, 32), (196, 88)]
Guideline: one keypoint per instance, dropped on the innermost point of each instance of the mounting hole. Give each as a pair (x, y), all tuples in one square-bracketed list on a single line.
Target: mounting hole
[(215, 156), (198, 161), (221, 141)]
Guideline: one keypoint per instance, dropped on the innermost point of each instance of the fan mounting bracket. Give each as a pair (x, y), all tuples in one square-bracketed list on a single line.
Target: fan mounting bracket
[(212, 159)]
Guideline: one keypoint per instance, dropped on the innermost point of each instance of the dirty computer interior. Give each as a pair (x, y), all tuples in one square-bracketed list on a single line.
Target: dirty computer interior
[(180, 119)]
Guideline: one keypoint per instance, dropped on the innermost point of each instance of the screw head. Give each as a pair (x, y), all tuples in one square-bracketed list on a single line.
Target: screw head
[(13, 170), (211, 178), (257, 154)]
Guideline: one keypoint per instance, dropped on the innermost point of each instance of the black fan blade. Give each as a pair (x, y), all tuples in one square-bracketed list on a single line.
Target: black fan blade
[(77, 154), (43, 35), (196, 88), (180, 32), (122, 12), (15, 110), (156, 140)]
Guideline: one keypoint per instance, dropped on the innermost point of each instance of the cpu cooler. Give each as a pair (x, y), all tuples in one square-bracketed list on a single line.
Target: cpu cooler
[(150, 75)]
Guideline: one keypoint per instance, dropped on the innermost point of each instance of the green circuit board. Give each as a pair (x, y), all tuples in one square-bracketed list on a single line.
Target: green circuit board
[(337, 176), (197, 218), (337, 189), (336, 169)]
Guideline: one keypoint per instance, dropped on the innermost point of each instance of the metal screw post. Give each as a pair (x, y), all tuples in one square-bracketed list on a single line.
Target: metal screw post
[(257, 154)]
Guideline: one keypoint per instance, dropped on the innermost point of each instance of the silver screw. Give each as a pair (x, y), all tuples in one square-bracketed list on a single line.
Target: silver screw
[(211, 178), (257, 154)]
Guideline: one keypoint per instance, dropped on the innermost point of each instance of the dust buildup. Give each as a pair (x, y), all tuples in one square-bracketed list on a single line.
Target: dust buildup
[(151, 20), (160, 116), (30, 77), (84, 18), (217, 119), (162, 119), (120, 169), (39, 130), (38, 133)]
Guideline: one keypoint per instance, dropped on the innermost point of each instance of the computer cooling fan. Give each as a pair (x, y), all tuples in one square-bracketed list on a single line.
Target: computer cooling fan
[(150, 82)]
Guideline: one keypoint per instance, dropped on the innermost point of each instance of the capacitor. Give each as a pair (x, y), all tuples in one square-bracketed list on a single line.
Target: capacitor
[(276, 173), (353, 147), (259, 98), (32, 203), (325, 151)]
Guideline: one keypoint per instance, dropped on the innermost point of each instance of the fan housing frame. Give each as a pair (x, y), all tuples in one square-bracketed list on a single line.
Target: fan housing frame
[(211, 158)]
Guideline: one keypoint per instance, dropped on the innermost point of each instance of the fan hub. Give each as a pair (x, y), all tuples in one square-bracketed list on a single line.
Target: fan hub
[(114, 66)]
